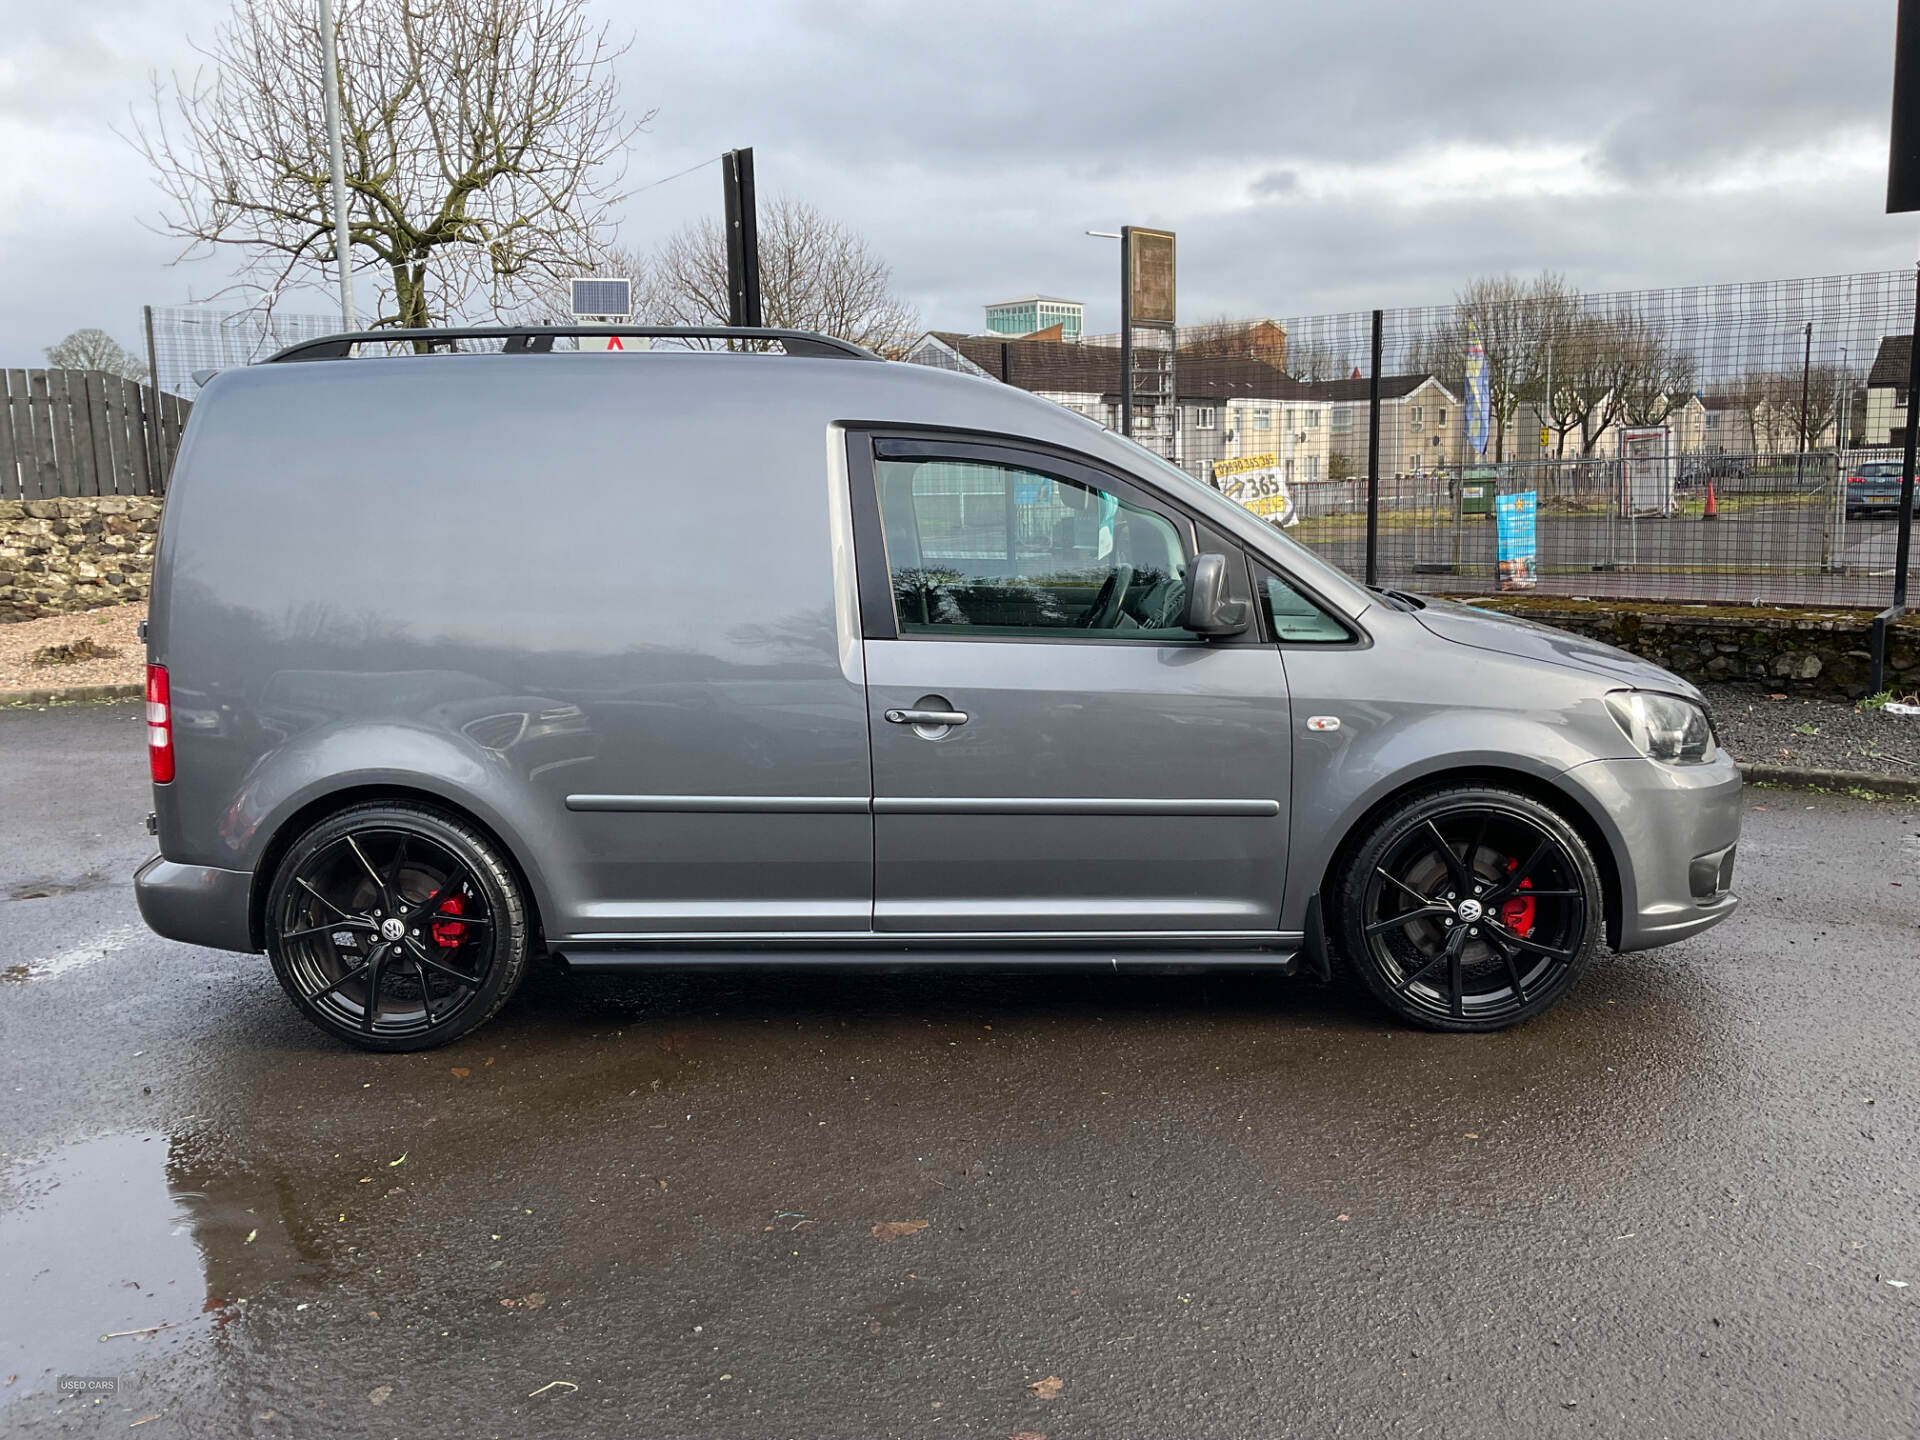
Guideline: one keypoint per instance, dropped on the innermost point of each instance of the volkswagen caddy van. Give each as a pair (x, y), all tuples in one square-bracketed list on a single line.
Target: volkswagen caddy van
[(789, 655)]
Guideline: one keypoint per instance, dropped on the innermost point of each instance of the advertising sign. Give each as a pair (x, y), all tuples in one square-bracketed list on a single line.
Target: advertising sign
[(1518, 546), (1149, 275), (1646, 472), (1254, 481)]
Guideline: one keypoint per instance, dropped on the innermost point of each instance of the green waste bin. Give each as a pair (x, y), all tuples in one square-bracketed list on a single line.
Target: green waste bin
[(1476, 496)]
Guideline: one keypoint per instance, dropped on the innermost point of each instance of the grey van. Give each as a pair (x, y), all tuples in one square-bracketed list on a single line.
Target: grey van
[(790, 655)]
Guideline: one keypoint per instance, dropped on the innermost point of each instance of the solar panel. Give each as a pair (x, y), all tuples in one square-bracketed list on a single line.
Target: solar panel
[(599, 296)]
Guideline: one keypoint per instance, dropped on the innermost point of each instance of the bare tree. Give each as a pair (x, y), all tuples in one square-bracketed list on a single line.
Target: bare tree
[(93, 349), (1657, 376), (1516, 322), (484, 147), (1780, 421), (815, 274)]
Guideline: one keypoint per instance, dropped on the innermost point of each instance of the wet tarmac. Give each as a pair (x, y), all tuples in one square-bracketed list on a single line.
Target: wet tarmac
[(1687, 1203)]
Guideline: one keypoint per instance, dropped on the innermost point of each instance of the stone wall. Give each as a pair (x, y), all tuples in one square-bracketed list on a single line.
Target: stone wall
[(58, 556), (1803, 652)]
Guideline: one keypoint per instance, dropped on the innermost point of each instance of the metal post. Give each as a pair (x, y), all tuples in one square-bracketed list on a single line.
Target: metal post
[(1373, 457), (743, 238), (330, 58), (1126, 331), (156, 433), (1877, 650)]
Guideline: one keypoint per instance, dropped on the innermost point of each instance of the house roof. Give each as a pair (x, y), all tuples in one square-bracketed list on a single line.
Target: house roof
[(1893, 363), (1053, 367), (1034, 299), (1392, 387)]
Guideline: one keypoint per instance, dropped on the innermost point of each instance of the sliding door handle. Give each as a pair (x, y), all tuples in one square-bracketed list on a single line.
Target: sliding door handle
[(927, 717)]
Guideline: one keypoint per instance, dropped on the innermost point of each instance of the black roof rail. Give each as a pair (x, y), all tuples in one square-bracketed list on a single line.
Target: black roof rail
[(538, 339)]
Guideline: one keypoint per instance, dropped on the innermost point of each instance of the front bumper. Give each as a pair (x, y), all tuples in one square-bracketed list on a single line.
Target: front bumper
[(196, 903), (1675, 827)]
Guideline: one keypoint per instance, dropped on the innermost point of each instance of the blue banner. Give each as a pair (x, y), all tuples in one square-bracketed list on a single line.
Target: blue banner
[(1513, 524), (1479, 399)]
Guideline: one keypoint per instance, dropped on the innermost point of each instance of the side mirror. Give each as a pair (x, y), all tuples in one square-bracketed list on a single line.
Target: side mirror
[(1209, 609)]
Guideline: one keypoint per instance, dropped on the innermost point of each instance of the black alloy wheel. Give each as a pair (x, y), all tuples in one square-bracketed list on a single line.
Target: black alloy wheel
[(394, 927), (1470, 909)]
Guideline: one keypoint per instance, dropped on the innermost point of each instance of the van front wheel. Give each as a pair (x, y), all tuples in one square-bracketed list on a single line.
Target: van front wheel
[(395, 927), (1470, 908)]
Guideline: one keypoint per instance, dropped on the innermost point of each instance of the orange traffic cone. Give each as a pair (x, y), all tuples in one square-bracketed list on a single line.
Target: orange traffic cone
[(1712, 512)]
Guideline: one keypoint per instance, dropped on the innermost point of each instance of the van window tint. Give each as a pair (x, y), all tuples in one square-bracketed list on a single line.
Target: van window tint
[(1296, 619), (980, 548)]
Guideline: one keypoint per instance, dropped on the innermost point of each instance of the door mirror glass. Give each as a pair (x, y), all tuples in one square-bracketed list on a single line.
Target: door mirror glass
[(1210, 609)]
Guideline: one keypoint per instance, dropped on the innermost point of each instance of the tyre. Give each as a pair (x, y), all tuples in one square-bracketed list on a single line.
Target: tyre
[(396, 927), (1469, 909)]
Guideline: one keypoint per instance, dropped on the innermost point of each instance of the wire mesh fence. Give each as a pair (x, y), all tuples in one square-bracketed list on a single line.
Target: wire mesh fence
[(1719, 442), (189, 338)]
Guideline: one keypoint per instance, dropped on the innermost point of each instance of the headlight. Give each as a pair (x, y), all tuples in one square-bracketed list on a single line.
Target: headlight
[(1663, 727)]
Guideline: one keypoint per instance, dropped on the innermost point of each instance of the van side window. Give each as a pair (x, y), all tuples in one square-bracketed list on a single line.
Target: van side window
[(1295, 619), (986, 549)]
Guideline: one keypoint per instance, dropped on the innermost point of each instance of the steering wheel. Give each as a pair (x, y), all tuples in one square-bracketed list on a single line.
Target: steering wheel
[(1105, 609)]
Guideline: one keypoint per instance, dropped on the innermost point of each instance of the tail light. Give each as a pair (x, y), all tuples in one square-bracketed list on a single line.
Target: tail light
[(159, 726), (1856, 479)]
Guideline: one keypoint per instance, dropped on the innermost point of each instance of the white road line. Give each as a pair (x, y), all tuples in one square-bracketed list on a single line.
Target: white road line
[(79, 956)]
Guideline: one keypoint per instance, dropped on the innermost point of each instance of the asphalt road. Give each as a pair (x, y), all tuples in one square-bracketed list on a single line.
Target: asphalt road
[(1765, 554), (1206, 1207)]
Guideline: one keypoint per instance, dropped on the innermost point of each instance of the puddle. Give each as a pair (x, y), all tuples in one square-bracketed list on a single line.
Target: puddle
[(95, 1243)]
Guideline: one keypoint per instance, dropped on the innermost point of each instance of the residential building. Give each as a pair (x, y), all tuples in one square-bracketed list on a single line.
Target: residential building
[(1886, 415), (1421, 429), (1033, 313), (1225, 408)]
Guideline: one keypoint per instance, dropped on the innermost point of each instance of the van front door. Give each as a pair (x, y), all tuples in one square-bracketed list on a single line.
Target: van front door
[(1053, 753)]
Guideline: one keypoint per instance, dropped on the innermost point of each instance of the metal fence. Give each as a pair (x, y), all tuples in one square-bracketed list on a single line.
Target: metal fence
[(1617, 410), (186, 338), (84, 432)]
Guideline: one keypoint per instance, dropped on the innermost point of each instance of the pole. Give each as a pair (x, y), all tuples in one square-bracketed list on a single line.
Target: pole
[(1126, 331), (1806, 370), (1877, 650), (336, 160), (1373, 457), (156, 433), (743, 238)]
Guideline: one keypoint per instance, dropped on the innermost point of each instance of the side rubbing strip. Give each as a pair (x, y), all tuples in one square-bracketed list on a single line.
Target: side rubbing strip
[(930, 805), (725, 804), (1069, 805)]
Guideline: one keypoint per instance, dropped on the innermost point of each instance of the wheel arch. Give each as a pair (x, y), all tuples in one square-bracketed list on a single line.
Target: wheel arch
[(1564, 800), (317, 808)]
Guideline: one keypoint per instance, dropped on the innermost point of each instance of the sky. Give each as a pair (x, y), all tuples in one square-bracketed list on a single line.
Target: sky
[(1312, 157)]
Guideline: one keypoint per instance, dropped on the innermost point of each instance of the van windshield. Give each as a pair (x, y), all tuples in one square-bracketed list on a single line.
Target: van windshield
[(1333, 582)]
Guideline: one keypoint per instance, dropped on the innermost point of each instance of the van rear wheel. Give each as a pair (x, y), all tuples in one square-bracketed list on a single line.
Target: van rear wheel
[(1470, 909), (395, 927)]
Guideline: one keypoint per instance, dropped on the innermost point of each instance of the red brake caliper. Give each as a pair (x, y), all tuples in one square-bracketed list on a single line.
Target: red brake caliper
[(1517, 913), (449, 933)]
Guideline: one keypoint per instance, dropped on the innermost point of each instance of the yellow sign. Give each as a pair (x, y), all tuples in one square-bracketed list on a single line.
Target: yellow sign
[(1545, 440), (1224, 468)]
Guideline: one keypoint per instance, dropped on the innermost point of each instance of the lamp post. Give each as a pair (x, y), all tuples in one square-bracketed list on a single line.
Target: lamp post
[(330, 64)]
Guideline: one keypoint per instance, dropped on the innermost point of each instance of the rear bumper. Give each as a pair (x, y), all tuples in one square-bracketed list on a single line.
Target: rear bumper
[(196, 903), (1677, 826)]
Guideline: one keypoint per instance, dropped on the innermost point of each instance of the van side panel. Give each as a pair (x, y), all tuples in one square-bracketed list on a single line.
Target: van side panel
[(581, 596)]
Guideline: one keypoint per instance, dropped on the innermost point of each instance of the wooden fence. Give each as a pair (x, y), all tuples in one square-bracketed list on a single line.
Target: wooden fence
[(85, 432)]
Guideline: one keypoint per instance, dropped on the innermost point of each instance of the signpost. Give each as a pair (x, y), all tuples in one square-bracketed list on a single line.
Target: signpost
[(1147, 303)]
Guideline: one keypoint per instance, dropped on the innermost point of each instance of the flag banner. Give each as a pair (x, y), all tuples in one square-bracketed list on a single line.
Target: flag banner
[(1479, 400)]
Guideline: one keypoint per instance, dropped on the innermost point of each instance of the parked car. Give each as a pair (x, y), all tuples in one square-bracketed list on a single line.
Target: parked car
[(1874, 488), (677, 658)]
